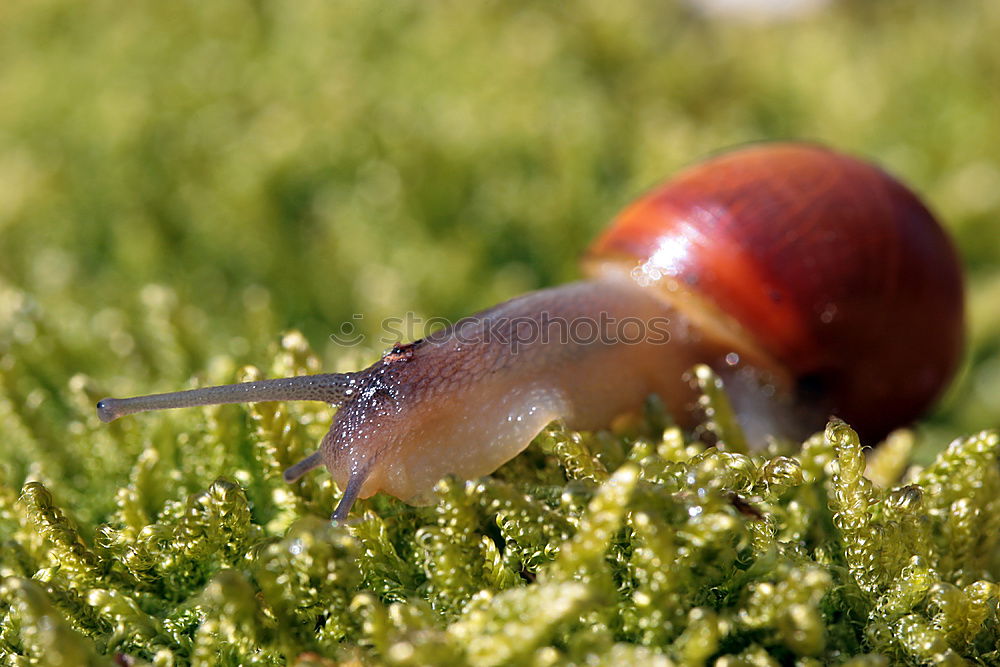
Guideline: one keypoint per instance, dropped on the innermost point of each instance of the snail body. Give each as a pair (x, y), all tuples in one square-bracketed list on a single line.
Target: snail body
[(812, 282)]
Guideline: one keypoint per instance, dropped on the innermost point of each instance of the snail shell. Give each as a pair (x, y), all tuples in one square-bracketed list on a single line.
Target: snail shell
[(825, 263)]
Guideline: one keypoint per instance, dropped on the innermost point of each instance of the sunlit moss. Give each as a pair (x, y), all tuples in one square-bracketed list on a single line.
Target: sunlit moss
[(180, 182), (633, 545), (678, 556), (719, 420), (35, 631)]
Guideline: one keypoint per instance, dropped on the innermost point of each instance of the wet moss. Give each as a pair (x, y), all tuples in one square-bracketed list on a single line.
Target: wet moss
[(676, 555), (181, 182)]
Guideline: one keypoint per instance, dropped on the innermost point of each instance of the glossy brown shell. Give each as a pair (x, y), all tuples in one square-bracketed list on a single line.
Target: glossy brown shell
[(834, 267)]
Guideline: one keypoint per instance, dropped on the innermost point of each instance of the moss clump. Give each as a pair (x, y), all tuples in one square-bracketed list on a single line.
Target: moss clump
[(181, 181), (636, 546)]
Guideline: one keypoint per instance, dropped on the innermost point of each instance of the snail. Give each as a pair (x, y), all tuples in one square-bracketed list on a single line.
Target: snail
[(813, 283)]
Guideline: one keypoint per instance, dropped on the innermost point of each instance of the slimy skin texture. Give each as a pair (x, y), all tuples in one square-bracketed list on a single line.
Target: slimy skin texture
[(468, 399)]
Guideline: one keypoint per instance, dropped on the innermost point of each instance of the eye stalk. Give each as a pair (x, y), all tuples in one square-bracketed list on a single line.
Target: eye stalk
[(332, 388)]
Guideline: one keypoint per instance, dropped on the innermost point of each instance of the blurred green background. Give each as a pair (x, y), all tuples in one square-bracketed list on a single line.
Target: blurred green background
[(181, 182)]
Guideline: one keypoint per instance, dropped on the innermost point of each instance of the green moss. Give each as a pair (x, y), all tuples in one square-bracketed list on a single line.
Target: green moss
[(676, 555), (181, 182)]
